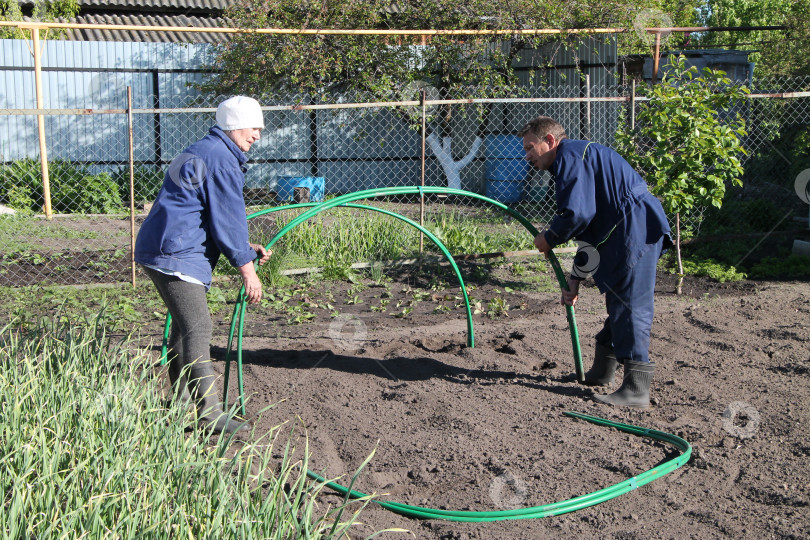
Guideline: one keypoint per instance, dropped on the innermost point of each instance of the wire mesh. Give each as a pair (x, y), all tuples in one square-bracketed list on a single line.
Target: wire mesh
[(329, 148)]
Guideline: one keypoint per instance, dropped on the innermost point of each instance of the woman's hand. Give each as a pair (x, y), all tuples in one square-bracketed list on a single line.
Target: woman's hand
[(262, 253), (253, 286)]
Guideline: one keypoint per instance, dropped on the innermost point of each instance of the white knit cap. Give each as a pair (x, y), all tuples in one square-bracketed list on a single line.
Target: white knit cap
[(239, 112)]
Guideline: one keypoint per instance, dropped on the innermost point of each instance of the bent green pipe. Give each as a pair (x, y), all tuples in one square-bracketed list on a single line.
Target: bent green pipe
[(241, 304), (553, 509), (384, 192), (409, 190)]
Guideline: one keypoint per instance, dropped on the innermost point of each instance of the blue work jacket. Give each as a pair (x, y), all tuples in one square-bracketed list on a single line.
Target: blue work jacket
[(199, 212), (603, 202)]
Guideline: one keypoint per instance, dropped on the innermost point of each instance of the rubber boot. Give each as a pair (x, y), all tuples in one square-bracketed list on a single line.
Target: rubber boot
[(635, 388), (604, 366), (202, 382)]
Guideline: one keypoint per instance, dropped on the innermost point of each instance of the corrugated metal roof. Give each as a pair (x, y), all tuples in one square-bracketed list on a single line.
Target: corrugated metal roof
[(149, 36), (156, 5)]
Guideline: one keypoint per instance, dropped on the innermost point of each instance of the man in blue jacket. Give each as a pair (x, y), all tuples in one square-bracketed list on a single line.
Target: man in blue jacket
[(622, 229), (199, 214)]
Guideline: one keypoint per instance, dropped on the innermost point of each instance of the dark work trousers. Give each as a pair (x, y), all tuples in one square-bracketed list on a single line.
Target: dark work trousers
[(191, 328), (629, 305)]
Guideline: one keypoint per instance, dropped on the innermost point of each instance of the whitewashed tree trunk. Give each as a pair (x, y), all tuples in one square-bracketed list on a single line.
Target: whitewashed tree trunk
[(443, 150)]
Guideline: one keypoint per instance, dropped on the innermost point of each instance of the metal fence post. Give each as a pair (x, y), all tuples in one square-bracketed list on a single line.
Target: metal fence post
[(131, 184), (43, 148), (422, 195)]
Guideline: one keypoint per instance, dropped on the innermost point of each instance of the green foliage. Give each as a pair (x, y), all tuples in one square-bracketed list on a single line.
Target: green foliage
[(21, 185), (458, 236), (713, 269), (790, 267), (42, 10), (147, 181), (396, 67), (85, 427), (778, 53), (465, 235), (687, 138), (74, 189), (662, 13)]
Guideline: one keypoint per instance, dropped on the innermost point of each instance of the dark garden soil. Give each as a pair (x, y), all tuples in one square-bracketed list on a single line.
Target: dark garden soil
[(481, 428)]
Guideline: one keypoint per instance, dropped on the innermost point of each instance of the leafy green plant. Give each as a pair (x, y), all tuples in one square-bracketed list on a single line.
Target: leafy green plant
[(103, 432), (382, 307), (73, 188), (147, 182), (459, 235), (497, 307), (713, 269), (688, 140), (21, 185), (404, 313)]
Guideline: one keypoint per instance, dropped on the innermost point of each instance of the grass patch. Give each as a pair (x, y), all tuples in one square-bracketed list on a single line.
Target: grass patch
[(736, 260), (88, 448), (127, 309)]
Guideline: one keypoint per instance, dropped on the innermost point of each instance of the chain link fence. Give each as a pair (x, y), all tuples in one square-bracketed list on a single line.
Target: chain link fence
[(338, 147)]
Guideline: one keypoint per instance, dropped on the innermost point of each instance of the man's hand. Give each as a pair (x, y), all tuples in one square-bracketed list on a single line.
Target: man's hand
[(569, 297), (261, 253), (542, 244)]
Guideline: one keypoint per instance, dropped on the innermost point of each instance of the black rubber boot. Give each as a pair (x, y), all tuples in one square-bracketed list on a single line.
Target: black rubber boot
[(635, 388), (604, 366), (210, 411)]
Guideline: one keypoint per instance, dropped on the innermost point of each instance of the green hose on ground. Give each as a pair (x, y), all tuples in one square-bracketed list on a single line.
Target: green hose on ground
[(562, 507), (553, 509)]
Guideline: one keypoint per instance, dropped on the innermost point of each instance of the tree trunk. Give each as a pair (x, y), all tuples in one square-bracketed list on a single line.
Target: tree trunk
[(678, 287)]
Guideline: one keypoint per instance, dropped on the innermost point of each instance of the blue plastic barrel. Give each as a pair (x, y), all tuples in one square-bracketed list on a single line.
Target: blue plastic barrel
[(506, 169), (504, 191), (285, 187)]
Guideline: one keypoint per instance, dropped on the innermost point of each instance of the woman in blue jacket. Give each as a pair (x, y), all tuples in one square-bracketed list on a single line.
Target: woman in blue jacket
[(199, 214), (622, 228)]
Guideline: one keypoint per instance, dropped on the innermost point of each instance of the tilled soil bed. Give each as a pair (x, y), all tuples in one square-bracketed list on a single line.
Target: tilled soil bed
[(482, 428)]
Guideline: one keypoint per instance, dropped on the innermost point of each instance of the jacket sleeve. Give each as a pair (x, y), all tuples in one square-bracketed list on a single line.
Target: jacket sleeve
[(227, 216), (576, 200)]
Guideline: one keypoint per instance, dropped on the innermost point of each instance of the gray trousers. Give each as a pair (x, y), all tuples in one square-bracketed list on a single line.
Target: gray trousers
[(191, 330)]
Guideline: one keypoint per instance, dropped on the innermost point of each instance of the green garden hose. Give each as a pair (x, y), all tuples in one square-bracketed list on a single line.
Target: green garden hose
[(553, 509), (239, 308), (346, 200)]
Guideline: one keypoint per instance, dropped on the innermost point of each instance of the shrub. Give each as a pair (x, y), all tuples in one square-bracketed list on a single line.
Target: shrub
[(74, 189), (148, 182), (21, 185)]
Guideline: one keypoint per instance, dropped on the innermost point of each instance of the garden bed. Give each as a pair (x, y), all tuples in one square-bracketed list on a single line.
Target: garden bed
[(482, 428)]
